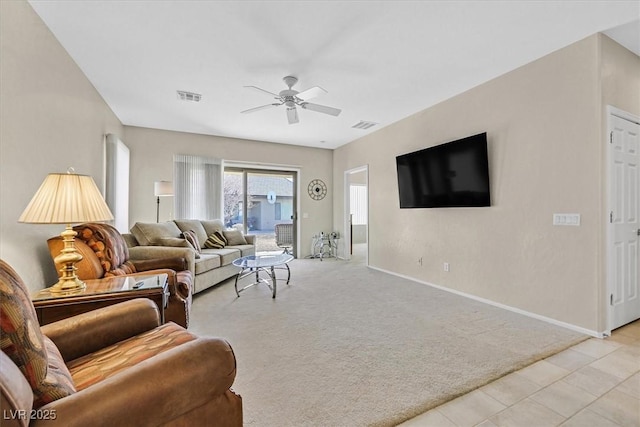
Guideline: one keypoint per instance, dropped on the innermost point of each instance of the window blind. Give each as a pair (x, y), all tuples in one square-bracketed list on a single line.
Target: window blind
[(358, 204), (197, 187)]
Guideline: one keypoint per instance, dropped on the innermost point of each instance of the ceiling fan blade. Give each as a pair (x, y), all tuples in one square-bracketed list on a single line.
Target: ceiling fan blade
[(321, 108), (292, 115), (262, 107), (311, 93), (265, 91)]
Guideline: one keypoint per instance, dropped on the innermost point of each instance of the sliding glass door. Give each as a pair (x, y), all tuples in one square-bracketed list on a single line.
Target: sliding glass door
[(263, 202)]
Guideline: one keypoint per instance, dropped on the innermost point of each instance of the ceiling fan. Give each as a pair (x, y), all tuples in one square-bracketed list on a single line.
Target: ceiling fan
[(292, 98)]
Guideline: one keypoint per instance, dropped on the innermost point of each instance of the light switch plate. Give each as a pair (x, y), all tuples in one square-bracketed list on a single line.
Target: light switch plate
[(572, 219)]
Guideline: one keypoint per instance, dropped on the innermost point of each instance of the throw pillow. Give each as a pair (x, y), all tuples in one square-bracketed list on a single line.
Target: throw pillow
[(108, 245), (193, 225), (58, 375), (22, 340), (192, 238), (216, 240), (234, 237)]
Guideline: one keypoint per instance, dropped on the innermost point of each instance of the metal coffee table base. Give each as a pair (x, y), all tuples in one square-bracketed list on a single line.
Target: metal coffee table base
[(271, 271), (254, 265)]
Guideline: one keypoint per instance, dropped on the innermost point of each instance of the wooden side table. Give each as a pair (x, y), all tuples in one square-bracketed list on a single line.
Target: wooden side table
[(101, 293)]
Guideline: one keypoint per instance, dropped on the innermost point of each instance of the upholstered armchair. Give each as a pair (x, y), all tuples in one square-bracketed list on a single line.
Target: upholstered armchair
[(114, 366), (106, 254)]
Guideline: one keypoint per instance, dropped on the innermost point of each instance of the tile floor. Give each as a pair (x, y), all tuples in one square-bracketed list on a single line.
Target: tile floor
[(593, 384)]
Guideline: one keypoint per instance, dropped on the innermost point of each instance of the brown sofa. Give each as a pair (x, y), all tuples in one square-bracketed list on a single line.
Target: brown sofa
[(209, 266), (115, 366), (105, 253)]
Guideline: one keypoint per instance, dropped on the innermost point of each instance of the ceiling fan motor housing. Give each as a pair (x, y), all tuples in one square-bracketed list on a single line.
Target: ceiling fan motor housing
[(290, 81)]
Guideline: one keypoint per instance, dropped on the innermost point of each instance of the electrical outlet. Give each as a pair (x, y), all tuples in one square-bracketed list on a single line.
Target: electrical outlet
[(446, 266)]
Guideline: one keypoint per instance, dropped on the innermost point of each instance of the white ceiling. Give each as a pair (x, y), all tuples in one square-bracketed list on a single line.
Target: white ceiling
[(380, 61)]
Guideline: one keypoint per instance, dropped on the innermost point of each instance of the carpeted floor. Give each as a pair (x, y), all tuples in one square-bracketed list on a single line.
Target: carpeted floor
[(345, 345)]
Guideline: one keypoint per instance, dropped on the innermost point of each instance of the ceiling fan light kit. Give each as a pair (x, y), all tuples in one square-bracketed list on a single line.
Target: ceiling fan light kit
[(291, 98), (292, 115)]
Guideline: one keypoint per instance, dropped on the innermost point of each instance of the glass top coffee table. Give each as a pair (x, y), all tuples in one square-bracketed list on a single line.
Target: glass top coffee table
[(254, 264)]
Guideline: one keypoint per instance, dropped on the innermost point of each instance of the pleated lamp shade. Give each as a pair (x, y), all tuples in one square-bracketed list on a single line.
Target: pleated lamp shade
[(66, 198)]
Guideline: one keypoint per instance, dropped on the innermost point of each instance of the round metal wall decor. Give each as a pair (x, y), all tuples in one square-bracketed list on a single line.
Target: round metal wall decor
[(317, 189)]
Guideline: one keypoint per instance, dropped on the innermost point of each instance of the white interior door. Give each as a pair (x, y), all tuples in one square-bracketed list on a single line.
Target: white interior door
[(356, 214), (624, 227)]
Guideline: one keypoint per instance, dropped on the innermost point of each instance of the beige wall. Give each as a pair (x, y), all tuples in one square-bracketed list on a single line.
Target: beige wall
[(620, 76), (51, 118), (545, 145), (152, 160)]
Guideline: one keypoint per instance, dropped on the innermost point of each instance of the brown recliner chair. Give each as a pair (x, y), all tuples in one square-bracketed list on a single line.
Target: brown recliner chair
[(105, 253), (114, 366)]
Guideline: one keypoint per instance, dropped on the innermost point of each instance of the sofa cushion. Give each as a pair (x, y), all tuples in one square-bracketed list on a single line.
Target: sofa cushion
[(212, 225), (216, 240), (195, 226), (125, 354), (149, 234), (234, 237), (192, 239), (174, 242), (227, 254), (22, 341), (130, 240), (208, 261)]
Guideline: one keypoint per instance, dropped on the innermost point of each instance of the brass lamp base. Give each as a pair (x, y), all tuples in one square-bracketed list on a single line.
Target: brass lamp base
[(69, 256), (67, 286)]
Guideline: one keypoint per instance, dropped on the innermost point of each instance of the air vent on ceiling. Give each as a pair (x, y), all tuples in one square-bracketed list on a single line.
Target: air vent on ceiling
[(363, 125), (189, 96)]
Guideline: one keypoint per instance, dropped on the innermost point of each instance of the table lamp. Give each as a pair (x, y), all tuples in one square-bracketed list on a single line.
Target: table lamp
[(161, 189), (66, 199)]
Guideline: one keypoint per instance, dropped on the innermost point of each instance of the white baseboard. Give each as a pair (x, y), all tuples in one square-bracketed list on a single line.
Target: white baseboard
[(503, 306)]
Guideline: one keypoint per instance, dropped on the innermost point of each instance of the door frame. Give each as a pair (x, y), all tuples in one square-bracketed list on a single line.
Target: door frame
[(275, 169), (611, 113), (347, 210)]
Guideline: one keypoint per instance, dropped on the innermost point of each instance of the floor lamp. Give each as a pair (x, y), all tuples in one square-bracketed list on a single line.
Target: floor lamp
[(161, 189), (67, 199)]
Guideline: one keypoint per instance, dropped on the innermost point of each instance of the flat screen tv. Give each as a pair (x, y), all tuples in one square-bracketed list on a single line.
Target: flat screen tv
[(454, 174)]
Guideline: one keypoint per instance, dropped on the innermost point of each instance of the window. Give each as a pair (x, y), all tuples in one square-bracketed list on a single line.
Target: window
[(117, 181), (278, 214)]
